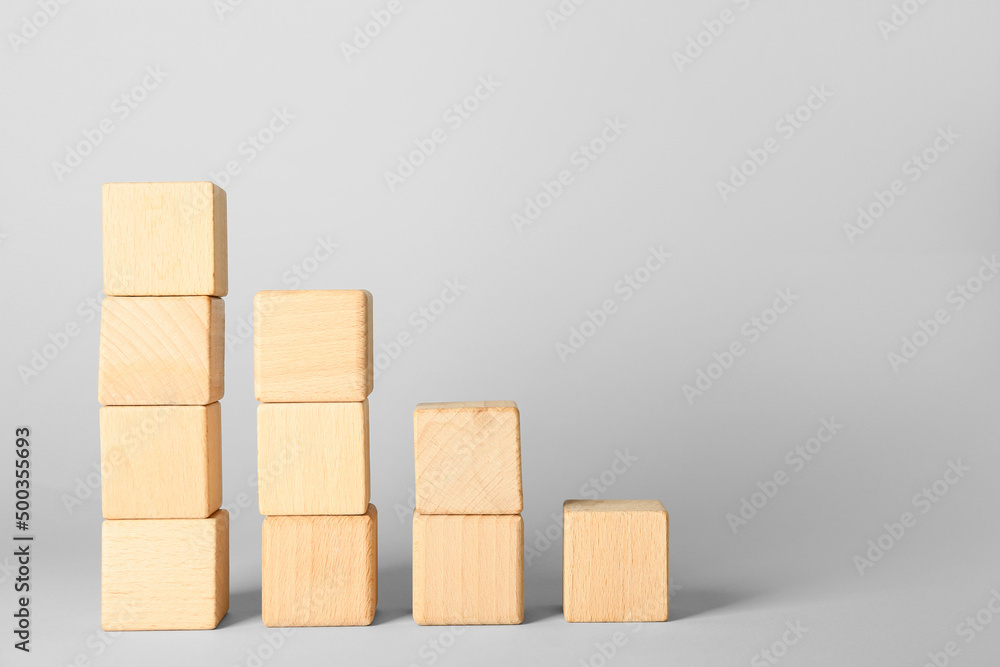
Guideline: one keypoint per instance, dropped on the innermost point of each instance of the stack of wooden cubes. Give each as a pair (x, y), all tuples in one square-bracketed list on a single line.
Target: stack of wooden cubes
[(313, 373), (165, 542), (468, 535)]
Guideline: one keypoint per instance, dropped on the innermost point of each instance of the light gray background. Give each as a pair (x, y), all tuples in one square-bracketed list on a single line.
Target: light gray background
[(323, 177)]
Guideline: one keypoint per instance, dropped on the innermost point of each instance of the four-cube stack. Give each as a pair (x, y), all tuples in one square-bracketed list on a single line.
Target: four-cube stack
[(165, 542), (313, 373), (468, 535)]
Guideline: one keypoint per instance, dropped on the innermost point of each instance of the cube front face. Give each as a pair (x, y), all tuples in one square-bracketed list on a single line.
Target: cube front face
[(169, 574), (313, 346), (615, 560), (468, 458), (312, 458), (161, 350), (320, 570), (161, 462), (468, 570), (164, 239)]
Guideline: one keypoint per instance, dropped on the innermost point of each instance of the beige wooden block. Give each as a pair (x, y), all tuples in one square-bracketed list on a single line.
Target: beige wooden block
[(312, 346), (468, 458), (320, 570), (312, 458), (165, 574), (161, 350), (161, 462), (164, 239), (615, 559), (468, 570)]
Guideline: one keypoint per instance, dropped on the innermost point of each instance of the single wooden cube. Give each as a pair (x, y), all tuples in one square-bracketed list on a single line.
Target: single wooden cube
[(468, 458), (165, 574), (161, 350), (320, 570), (164, 239), (468, 570), (615, 560), (312, 346), (161, 462), (312, 458)]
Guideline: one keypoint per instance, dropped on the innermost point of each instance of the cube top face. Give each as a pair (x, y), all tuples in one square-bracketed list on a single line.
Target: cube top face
[(468, 569), (165, 574), (312, 458), (615, 561), (165, 239), (161, 462), (320, 570), (313, 346), (468, 458), (161, 350)]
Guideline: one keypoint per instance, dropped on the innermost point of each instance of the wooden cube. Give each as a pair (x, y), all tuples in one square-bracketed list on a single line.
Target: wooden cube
[(615, 561), (166, 350), (312, 458), (320, 570), (312, 346), (161, 462), (165, 574), (468, 458), (468, 570), (164, 239)]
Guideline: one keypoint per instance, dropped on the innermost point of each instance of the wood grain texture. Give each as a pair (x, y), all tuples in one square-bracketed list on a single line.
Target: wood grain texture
[(312, 346), (615, 560), (320, 570), (468, 458), (165, 239), (468, 570), (312, 458), (161, 462), (165, 574), (161, 350)]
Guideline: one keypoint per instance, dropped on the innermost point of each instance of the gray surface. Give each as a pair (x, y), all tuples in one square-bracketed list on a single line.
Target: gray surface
[(322, 177)]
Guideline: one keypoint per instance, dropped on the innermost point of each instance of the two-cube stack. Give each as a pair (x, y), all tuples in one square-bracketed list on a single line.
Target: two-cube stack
[(313, 373), (468, 535), (165, 542)]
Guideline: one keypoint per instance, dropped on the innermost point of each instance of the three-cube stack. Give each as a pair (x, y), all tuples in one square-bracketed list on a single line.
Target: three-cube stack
[(165, 542), (313, 373), (468, 535)]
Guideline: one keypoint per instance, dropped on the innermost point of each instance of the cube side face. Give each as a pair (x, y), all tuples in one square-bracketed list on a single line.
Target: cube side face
[(468, 459), (468, 570), (320, 571), (161, 351), (312, 458), (165, 574), (161, 462), (313, 346), (164, 239), (615, 566)]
